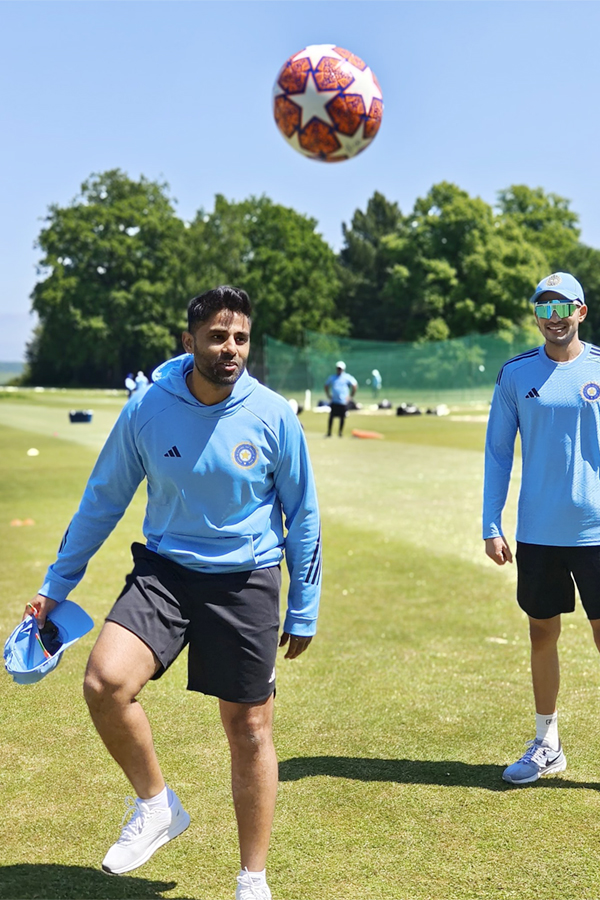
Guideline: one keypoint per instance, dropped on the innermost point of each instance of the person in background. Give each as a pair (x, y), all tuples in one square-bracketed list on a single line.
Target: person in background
[(551, 396), (339, 388), (130, 384), (376, 382), (141, 382)]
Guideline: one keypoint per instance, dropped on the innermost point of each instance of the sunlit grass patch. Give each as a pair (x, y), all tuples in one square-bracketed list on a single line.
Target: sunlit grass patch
[(391, 731)]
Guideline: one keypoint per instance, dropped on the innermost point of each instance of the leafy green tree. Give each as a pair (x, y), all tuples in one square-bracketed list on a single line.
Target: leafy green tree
[(112, 290), (365, 262), (584, 263), (274, 253), (449, 268), (546, 220), (218, 246), (554, 228)]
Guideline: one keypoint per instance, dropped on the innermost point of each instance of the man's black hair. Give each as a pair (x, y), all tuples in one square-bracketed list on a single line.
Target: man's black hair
[(202, 307)]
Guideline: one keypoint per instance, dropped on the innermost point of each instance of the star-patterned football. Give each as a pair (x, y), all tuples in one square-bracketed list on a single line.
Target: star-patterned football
[(327, 103)]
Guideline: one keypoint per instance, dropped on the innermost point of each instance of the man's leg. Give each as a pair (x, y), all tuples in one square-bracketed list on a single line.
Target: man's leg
[(330, 422), (545, 670), (254, 775), (544, 585), (544, 755), (342, 420), (119, 666)]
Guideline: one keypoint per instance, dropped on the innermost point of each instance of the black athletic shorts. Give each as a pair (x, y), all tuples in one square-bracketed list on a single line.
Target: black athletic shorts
[(230, 621), (338, 410), (547, 577)]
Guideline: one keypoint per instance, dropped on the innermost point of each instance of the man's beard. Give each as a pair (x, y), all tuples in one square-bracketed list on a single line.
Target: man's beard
[(212, 374)]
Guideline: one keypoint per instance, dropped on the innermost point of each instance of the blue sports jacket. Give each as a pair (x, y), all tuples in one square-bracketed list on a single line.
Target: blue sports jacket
[(221, 480)]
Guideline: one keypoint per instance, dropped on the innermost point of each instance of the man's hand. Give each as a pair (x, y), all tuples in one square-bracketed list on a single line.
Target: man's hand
[(297, 644), (498, 550), (39, 607)]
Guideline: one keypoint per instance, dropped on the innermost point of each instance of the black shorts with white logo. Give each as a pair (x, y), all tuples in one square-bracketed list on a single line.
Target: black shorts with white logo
[(230, 621), (547, 577)]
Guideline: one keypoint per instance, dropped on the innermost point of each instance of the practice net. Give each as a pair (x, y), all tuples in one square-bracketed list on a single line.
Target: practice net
[(459, 370)]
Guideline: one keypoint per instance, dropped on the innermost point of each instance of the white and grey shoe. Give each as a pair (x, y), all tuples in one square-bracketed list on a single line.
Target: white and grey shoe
[(144, 831), (539, 759), (249, 888)]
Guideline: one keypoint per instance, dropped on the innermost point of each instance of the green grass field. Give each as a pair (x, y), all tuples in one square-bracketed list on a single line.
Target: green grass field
[(392, 731)]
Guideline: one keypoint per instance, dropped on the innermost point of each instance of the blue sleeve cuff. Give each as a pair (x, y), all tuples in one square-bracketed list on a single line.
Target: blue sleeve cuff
[(55, 590), (299, 626)]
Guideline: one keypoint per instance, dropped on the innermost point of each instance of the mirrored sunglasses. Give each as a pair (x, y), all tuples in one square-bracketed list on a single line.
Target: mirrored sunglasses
[(563, 310)]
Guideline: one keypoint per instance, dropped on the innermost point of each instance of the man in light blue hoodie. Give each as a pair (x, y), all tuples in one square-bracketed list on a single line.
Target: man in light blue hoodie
[(226, 463)]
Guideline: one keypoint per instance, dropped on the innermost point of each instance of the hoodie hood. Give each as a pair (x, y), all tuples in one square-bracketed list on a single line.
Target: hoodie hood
[(171, 377)]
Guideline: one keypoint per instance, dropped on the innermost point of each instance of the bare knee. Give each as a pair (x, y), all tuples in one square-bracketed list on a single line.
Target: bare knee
[(544, 633), (107, 684), (119, 667), (94, 691), (101, 690), (249, 728)]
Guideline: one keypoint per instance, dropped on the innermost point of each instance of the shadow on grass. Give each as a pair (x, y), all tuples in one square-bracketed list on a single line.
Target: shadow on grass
[(412, 771), (53, 882)]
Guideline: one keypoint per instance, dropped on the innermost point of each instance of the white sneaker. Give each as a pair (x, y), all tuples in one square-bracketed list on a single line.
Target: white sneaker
[(539, 759), (146, 831), (248, 889)]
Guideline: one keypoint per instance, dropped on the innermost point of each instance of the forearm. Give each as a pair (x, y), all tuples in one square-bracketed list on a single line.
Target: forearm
[(499, 453)]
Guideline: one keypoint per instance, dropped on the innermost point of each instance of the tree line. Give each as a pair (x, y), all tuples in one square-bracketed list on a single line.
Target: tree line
[(118, 266)]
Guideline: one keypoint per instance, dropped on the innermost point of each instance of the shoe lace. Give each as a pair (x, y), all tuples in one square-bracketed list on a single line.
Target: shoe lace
[(535, 752), (250, 890), (137, 816)]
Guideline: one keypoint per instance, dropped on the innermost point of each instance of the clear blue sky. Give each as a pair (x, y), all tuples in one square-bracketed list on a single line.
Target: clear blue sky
[(483, 94)]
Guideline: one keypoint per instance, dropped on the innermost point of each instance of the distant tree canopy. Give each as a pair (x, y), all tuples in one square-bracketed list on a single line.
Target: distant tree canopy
[(545, 218), (113, 293), (119, 266), (273, 252), (453, 266)]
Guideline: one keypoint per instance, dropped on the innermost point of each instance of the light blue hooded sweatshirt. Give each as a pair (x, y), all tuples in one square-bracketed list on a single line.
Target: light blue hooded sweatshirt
[(220, 481)]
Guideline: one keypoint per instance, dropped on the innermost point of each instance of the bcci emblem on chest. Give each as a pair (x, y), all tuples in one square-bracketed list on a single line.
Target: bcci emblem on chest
[(245, 455), (591, 392)]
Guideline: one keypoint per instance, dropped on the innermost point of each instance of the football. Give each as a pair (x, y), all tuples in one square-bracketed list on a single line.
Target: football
[(327, 103)]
